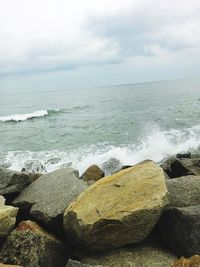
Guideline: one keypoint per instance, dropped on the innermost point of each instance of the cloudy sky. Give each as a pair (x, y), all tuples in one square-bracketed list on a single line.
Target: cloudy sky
[(82, 43)]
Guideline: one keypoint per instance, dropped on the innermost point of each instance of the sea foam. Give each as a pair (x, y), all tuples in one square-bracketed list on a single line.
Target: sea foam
[(27, 116), (157, 145)]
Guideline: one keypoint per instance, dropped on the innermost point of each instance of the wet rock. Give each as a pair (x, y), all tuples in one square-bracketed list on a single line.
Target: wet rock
[(7, 218), (111, 165), (93, 173), (119, 209), (30, 246), (184, 155), (194, 261), (184, 191), (180, 229), (50, 194), (33, 166), (12, 182)]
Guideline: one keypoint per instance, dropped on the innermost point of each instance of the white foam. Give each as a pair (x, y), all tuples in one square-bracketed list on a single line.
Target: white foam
[(156, 146), (24, 117)]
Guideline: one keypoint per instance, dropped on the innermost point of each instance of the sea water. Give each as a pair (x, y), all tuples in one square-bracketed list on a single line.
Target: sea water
[(109, 126)]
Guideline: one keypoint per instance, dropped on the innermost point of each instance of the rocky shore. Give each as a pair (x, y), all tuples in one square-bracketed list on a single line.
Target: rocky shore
[(146, 215)]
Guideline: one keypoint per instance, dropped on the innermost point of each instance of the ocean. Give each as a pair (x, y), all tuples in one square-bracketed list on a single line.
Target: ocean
[(110, 126)]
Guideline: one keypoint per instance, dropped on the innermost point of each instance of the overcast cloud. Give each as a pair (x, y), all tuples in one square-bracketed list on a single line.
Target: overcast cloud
[(42, 36)]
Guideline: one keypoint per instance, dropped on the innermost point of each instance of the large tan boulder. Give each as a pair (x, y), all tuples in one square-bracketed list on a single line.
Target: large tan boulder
[(119, 209), (193, 261), (7, 218)]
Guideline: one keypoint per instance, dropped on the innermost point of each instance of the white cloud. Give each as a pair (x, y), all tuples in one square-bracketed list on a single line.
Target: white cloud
[(39, 36)]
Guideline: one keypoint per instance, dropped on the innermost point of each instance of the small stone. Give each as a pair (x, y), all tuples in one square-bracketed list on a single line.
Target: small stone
[(93, 173)]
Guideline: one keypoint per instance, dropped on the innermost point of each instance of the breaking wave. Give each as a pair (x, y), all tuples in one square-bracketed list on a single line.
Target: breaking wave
[(157, 145), (28, 116)]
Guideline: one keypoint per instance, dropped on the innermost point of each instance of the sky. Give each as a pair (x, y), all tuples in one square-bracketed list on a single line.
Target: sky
[(49, 44)]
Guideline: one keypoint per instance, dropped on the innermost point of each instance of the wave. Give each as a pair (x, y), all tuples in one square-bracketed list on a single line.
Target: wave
[(156, 146), (28, 116)]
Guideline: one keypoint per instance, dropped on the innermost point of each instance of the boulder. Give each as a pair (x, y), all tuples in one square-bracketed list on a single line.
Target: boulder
[(6, 265), (194, 261), (150, 253), (111, 165), (33, 166), (119, 209), (7, 218), (49, 195), (184, 191), (12, 182), (29, 245), (93, 173), (181, 166), (180, 229)]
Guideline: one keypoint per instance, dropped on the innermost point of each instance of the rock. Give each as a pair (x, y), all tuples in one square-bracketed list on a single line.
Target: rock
[(119, 209), (33, 166), (181, 166), (93, 173), (34, 176), (194, 261), (7, 218), (29, 245), (146, 254), (72, 263), (111, 165), (180, 229), (184, 191), (6, 265), (184, 155), (12, 182), (50, 194)]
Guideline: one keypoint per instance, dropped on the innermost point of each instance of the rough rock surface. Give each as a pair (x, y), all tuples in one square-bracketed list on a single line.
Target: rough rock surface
[(50, 194), (184, 191), (119, 209), (30, 246), (177, 167), (72, 263), (93, 173), (6, 265), (180, 229), (12, 182), (194, 261), (150, 253), (7, 218)]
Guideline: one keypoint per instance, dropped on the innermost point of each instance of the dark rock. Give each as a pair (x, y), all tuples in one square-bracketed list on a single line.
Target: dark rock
[(50, 194), (180, 229), (12, 182), (176, 167), (184, 191), (33, 166), (93, 173), (30, 246), (184, 155)]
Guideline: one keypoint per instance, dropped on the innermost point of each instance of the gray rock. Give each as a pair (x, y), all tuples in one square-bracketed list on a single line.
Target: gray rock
[(150, 253), (50, 194), (30, 246), (72, 263), (182, 166), (7, 218), (12, 182), (111, 165), (184, 191), (180, 229)]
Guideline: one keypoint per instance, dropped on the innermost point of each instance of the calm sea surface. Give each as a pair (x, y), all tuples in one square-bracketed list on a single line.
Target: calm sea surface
[(108, 126)]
